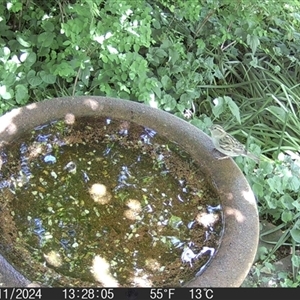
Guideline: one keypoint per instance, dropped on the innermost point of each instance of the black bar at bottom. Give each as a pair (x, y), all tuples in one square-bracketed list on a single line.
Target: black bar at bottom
[(141, 293)]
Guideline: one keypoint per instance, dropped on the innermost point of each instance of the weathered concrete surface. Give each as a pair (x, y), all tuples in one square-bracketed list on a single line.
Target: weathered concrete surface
[(237, 251)]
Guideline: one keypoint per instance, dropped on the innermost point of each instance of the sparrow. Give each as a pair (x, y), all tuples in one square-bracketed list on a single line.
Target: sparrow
[(228, 145)]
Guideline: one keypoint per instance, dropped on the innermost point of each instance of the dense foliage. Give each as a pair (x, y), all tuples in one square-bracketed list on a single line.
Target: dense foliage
[(230, 62)]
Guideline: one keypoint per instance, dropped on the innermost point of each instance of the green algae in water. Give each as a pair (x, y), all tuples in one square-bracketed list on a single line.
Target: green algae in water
[(110, 202)]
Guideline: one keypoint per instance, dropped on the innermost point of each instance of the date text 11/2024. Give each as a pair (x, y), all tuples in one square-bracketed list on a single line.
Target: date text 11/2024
[(106, 293)]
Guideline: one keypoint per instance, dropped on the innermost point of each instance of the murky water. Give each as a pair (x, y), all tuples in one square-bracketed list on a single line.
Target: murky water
[(107, 202)]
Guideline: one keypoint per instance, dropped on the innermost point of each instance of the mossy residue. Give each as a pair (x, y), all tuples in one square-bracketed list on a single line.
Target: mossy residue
[(105, 194)]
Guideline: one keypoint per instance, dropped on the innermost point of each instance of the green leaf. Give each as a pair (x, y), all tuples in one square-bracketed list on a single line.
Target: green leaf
[(9, 79), (219, 108), (286, 216), (64, 70), (166, 82), (112, 57), (124, 76), (258, 189), (271, 202), (48, 26), (4, 54), (15, 6), (254, 62), (156, 24), (267, 167), (169, 102), (123, 87), (278, 112), (131, 75), (198, 123), (127, 47), (124, 95), (45, 39), (67, 43), (186, 100), (294, 184), (157, 90), (296, 261), (85, 76), (136, 47), (181, 108), (174, 56), (47, 78), (287, 201), (21, 94), (5, 93), (275, 184), (104, 58), (30, 59), (23, 42), (32, 79), (296, 204), (233, 108), (295, 233), (160, 53), (253, 42)]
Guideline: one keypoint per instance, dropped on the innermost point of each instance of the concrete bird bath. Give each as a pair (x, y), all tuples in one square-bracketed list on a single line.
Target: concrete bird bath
[(236, 253)]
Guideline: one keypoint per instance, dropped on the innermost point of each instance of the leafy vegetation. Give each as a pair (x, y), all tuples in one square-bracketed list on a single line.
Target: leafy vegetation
[(229, 62)]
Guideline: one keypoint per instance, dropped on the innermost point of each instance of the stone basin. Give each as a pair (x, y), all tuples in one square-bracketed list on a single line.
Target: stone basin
[(236, 253)]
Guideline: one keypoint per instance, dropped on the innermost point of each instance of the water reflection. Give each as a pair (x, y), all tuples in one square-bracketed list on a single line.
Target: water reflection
[(116, 190)]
